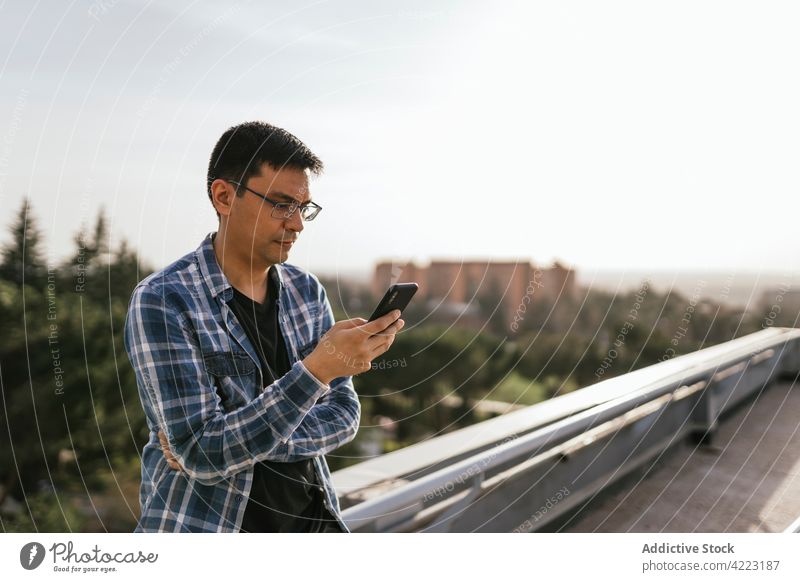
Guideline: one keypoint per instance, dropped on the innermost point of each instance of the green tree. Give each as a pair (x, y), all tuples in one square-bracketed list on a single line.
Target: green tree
[(21, 258), (72, 424)]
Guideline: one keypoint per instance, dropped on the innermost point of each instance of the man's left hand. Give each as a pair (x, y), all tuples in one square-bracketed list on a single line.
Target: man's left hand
[(171, 461)]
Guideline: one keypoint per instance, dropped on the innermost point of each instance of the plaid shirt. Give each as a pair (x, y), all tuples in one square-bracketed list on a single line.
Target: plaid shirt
[(200, 381)]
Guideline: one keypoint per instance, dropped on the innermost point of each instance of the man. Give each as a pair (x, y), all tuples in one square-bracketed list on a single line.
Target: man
[(241, 370)]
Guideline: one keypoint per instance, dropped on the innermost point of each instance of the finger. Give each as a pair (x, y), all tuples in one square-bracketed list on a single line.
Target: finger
[(165, 447), (349, 323), (382, 347), (378, 345), (381, 323), (361, 366), (389, 331), (392, 329)]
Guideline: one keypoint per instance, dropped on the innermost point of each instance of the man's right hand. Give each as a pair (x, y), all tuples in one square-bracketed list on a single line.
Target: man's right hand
[(349, 346)]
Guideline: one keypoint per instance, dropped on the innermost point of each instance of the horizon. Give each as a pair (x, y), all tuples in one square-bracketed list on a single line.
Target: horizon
[(683, 280)]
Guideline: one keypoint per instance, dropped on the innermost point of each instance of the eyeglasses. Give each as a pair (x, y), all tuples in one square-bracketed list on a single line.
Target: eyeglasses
[(285, 210)]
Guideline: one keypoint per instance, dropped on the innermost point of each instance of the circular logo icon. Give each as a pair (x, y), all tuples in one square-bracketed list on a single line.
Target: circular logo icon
[(31, 555)]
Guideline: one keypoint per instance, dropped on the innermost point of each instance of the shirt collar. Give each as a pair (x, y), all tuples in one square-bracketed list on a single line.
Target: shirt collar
[(217, 282)]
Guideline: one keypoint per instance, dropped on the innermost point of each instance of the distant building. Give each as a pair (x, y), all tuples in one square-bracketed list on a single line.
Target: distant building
[(780, 306), (464, 286)]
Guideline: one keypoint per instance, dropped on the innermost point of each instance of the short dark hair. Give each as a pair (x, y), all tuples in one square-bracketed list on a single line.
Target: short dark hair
[(242, 149)]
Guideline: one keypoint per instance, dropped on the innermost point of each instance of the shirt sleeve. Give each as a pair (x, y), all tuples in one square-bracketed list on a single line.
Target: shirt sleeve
[(334, 420), (210, 444)]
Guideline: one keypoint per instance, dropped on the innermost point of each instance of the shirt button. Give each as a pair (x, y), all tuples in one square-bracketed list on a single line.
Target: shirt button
[(321, 489)]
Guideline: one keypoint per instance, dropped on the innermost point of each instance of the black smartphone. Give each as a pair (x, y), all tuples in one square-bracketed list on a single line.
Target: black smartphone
[(396, 297)]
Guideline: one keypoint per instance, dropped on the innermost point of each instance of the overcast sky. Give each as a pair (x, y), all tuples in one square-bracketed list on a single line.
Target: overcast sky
[(608, 135)]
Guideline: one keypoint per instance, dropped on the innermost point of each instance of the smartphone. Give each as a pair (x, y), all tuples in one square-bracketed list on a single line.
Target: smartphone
[(396, 297)]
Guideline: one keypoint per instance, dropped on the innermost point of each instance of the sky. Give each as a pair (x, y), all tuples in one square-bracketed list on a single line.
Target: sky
[(606, 135)]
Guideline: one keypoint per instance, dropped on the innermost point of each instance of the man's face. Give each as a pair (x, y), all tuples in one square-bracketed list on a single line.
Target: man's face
[(250, 226)]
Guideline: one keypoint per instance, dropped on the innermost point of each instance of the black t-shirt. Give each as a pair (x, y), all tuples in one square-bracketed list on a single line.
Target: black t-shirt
[(285, 497)]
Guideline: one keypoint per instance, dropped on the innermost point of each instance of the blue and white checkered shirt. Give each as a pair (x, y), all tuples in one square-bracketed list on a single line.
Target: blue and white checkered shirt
[(200, 381)]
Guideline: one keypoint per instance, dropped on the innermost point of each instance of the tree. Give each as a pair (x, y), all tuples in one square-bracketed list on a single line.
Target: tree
[(22, 260), (67, 390)]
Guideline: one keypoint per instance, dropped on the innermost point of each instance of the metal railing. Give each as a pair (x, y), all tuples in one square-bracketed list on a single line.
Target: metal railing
[(794, 527), (511, 473)]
